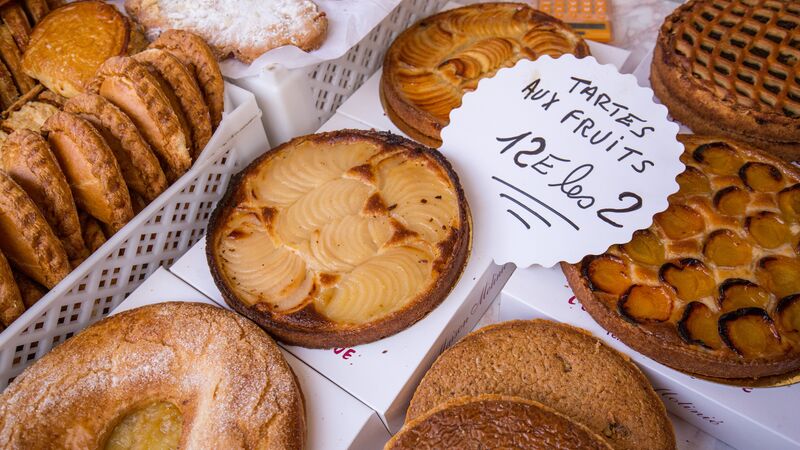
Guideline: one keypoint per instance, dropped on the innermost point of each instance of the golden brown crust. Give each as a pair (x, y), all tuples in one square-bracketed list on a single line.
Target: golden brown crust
[(50, 97), (68, 46), (91, 169), (8, 90), (433, 63), (28, 241), (140, 167), (193, 52), (30, 115), (183, 84), (663, 339), (134, 90), (227, 378), (11, 305), (14, 17), (563, 367), (30, 290), (305, 321), (27, 158), (37, 9), (13, 60), (494, 421), (739, 83), (92, 232)]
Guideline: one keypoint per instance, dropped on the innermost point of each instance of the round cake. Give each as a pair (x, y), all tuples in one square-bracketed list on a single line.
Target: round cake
[(341, 238), (170, 375), (433, 63), (713, 286), (730, 68)]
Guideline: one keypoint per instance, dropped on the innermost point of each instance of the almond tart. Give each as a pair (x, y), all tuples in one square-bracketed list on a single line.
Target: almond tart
[(730, 68), (494, 421), (170, 375), (713, 286), (342, 238), (430, 66)]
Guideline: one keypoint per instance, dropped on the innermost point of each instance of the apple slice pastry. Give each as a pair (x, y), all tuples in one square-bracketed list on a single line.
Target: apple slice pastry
[(139, 94), (91, 169)]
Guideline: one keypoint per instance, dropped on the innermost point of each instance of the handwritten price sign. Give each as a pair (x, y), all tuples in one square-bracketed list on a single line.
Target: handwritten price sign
[(562, 158)]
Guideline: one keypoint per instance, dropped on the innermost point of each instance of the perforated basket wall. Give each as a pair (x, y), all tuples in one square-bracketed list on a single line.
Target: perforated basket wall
[(332, 82), (156, 236)]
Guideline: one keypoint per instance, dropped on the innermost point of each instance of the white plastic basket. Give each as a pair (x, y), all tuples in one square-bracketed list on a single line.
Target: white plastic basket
[(156, 236)]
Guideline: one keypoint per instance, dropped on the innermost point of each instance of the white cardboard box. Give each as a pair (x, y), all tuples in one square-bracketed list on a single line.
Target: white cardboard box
[(334, 419), (742, 417)]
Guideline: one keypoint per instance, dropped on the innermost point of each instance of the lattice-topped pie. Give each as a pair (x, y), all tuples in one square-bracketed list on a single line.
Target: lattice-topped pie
[(732, 68), (340, 238), (432, 64), (713, 286)]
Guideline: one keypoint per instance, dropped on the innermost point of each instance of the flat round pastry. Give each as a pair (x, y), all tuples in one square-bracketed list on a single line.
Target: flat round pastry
[(139, 94), (730, 68), (27, 159), (494, 421), (68, 46), (184, 85), (30, 116), (91, 169), (562, 367), (713, 286), (337, 239), (170, 375), (243, 28), (11, 305), (433, 63), (28, 241), (139, 165), (197, 56)]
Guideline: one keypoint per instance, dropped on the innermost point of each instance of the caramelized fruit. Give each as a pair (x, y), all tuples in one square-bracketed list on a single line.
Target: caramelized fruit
[(646, 304), (732, 201), (726, 248), (768, 230), (761, 177), (789, 202), (718, 158), (789, 312), (645, 248), (779, 274), (749, 332), (692, 181), (736, 293), (608, 274), (680, 222), (698, 325), (689, 277)]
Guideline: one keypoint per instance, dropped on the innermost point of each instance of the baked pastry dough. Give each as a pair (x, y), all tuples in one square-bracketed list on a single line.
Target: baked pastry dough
[(134, 90), (93, 234), (91, 169), (171, 375), (30, 290), (14, 17), (8, 90), (430, 66), (30, 116), (140, 167), (193, 52), (11, 305), (712, 287), (13, 59), (69, 45), (28, 241), (37, 9), (181, 81), (730, 68), (243, 28), (494, 421), (337, 239), (27, 158)]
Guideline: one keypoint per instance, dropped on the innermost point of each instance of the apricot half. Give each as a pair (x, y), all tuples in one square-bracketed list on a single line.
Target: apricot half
[(645, 247), (726, 248), (646, 304), (680, 222), (607, 273), (689, 277), (698, 325), (719, 157), (749, 332)]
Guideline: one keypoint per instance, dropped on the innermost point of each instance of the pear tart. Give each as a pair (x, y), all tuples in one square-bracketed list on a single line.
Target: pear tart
[(730, 68), (432, 64), (713, 286), (28, 160), (342, 238)]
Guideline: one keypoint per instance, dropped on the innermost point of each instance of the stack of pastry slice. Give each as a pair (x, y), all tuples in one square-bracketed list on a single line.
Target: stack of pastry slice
[(82, 156)]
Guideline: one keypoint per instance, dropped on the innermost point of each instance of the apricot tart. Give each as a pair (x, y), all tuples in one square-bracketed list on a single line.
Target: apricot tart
[(342, 238), (433, 63), (713, 286)]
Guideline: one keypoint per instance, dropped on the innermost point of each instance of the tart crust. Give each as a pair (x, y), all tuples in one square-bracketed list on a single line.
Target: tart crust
[(424, 241)]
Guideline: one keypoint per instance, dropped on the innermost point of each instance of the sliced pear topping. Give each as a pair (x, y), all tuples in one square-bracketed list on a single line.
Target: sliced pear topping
[(718, 158), (789, 312), (779, 274), (761, 177), (689, 277), (726, 248), (692, 181), (736, 293), (345, 243), (680, 222), (698, 326), (789, 202), (645, 248), (769, 230), (732, 201), (646, 304), (607, 273), (749, 332)]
